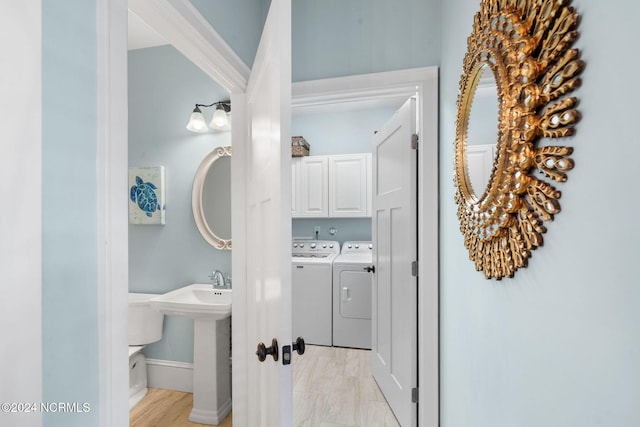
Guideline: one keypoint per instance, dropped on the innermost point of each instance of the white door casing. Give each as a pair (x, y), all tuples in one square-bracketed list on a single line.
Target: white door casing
[(395, 292), (267, 169)]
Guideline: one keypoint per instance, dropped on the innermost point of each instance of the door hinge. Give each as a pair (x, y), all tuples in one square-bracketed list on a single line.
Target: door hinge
[(414, 268), (414, 395), (414, 141)]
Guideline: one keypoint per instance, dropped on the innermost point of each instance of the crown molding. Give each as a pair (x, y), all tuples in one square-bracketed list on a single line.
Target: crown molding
[(182, 25)]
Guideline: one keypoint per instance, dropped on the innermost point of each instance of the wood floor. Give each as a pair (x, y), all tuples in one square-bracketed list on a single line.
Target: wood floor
[(332, 387), (166, 408)]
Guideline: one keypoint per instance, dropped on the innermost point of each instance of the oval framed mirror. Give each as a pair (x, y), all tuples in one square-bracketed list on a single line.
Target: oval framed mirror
[(527, 47), (211, 198)]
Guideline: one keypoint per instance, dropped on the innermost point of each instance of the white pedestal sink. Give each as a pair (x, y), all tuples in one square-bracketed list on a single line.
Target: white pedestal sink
[(211, 311)]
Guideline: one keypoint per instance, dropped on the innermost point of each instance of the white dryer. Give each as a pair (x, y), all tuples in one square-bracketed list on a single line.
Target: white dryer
[(352, 288), (311, 289)]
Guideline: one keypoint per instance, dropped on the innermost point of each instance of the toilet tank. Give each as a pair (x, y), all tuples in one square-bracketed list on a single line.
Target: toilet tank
[(145, 323)]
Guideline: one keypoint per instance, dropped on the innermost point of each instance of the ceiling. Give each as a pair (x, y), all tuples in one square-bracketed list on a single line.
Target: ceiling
[(141, 35)]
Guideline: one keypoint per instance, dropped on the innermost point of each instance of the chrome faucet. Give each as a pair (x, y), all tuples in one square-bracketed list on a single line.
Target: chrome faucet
[(218, 279)]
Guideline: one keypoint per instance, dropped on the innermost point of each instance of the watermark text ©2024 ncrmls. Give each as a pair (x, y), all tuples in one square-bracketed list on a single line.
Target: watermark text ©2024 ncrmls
[(45, 407)]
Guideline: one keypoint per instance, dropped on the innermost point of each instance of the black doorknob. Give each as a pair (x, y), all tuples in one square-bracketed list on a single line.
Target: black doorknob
[(299, 345), (370, 269), (263, 351)]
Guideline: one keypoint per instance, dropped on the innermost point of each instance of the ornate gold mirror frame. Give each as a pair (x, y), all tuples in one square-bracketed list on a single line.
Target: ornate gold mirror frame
[(527, 45)]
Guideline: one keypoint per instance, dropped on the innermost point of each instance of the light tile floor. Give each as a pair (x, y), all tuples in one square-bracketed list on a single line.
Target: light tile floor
[(333, 387)]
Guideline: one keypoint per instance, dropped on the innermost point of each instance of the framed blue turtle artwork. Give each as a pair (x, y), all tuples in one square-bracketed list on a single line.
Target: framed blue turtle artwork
[(146, 195)]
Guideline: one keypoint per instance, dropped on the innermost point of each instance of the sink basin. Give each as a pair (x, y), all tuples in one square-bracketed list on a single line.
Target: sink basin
[(199, 301)]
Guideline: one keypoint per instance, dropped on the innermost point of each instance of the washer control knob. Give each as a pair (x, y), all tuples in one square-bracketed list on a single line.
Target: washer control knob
[(370, 246), (331, 245), (349, 245), (295, 245), (302, 245), (357, 246), (324, 245), (313, 246)]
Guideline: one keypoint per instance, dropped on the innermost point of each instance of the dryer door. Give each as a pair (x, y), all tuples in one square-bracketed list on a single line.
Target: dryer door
[(355, 294)]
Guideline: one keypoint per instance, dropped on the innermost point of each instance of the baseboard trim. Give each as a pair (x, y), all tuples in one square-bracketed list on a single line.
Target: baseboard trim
[(170, 375), (201, 416)]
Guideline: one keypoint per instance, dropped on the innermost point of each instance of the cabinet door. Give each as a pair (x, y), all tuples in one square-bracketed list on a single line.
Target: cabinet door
[(313, 192), (349, 185), (295, 186)]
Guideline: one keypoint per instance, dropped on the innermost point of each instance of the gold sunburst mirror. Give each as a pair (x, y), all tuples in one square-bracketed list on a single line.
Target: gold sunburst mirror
[(526, 47)]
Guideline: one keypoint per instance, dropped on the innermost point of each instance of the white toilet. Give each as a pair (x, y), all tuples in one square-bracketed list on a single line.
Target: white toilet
[(145, 327)]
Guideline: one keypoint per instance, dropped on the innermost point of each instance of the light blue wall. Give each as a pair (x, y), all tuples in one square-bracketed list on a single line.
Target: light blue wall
[(333, 38), (347, 228), (239, 23), (69, 212), (341, 132), (557, 345), (163, 89)]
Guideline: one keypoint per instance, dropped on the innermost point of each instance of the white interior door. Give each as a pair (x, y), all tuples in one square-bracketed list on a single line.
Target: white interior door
[(395, 294), (265, 398)]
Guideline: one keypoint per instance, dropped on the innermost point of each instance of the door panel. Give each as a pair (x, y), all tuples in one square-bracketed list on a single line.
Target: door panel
[(267, 160), (348, 185), (314, 186), (394, 346)]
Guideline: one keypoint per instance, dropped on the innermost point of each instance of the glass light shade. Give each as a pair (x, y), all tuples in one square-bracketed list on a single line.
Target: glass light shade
[(220, 121), (197, 122)]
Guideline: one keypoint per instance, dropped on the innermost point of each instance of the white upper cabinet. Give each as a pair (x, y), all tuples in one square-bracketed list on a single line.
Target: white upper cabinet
[(314, 191), (350, 185), (331, 186)]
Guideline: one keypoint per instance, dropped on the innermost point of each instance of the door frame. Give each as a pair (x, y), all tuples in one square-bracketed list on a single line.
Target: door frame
[(112, 220), (369, 88), (182, 26), (174, 19)]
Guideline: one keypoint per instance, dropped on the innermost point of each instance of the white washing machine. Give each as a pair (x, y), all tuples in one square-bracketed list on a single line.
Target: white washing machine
[(311, 289), (352, 288)]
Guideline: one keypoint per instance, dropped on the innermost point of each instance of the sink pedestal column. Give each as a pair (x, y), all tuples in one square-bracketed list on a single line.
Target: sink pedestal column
[(211, 371)]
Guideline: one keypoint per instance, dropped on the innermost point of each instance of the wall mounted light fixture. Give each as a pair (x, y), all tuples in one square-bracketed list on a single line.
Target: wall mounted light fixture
[(219, 121)]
